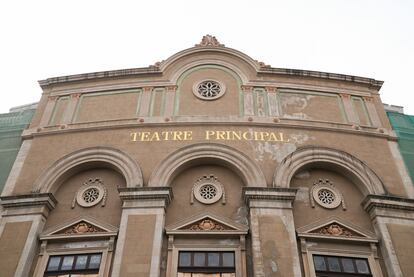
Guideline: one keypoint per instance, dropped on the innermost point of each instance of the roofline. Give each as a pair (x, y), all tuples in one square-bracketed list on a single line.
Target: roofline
[(261, 68)]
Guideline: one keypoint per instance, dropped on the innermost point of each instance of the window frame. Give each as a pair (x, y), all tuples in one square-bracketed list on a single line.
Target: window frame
[(73, 270)]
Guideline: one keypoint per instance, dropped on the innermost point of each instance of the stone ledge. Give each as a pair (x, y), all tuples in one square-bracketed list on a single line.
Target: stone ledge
[(372, 202), (269, 194), (29, 200), (146, 193)]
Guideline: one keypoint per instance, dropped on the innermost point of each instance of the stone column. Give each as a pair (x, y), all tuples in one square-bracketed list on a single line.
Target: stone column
[(274, 247), (349, 109), (71, 108), (393, 221), (273, 101), (22, 221), (47, 112), (248, 103), (372, 111), (138, 249)]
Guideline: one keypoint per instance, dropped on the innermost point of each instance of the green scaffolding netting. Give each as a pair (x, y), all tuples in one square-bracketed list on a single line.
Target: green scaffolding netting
[(403, 125)]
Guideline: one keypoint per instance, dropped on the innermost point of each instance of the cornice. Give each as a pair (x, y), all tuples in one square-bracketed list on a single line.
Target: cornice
[(146, 193), (372, 202), (29, 200), (180, 121), (268, 194)]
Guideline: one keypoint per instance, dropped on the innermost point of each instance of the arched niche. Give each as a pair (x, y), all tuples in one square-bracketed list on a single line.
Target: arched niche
[(93, 157), (207, 153), (322, 157)]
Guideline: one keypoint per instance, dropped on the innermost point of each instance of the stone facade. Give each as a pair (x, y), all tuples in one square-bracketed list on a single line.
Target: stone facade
[(208, 163)]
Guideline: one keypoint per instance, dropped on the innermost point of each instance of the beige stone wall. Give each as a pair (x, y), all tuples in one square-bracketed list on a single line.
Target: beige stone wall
[(12, 241), (402, 237), (110, 213), (181, 208), (372, 150), (137, 254), (303, 212)]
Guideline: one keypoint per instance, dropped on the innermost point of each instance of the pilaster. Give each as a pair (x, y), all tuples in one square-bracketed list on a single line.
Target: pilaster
[(372, 111), (273, 101), (248, 103), (274, 247), (385, 211), (142, 227), (349, 109), (31, 209), (71, 108), (170, 100), (145, 101), (47, 112)]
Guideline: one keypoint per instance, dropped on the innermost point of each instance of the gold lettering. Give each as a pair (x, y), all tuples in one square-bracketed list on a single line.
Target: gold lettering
[(166, 135), (245, 136), (188, 135), (145, 136), (155, 136), (282, 139), (236, 135), (209, 133), (220, 135), (177, 135), (134, 136), (263, 136), (273, 137)]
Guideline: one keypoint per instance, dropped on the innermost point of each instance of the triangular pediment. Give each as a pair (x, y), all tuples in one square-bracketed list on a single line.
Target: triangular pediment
[(80, 226), (335, 228), (206, 223)]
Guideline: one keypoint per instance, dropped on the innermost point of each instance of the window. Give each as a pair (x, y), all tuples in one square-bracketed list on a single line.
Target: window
[(74, 265), (206, 264), (332, 266)]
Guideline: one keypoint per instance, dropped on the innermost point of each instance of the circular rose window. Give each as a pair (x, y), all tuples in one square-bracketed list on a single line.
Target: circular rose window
[(326, 195), (91, 193), (209, 89), (208, 190)]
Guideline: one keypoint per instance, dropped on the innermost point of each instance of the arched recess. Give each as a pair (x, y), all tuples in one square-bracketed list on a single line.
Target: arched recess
[(203, 153), (310, 156), (50, 180)]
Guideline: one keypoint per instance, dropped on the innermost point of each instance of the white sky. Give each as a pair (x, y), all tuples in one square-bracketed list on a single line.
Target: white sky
[(42, 39)]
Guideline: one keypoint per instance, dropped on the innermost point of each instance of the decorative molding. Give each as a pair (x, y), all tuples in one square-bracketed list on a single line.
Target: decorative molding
[(271, 89), (147, 89), (208, 190), (171, 88), (207, 223), (345, 95), (363, 176), (209, 40), (237, 161), (209, 89), (374, 202), (48, 181), (52, 98), (29, 200), (273, 194), (146, 194), (246, 88), (81, 228), (337, 229), (76, 95)]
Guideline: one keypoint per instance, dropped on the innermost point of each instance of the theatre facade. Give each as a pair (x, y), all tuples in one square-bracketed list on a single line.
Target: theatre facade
[(208, 163)]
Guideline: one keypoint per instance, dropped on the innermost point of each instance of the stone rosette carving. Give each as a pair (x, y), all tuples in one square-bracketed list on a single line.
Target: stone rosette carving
[(207, 225), (336, 230), (208, 190), (82, 228), (209, 40), (326, 195), (90, 194), (209, 89)]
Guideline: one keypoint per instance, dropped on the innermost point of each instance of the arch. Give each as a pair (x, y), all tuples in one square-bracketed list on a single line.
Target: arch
[(367, 180), (109, 157), (225, 50), (190, 155)]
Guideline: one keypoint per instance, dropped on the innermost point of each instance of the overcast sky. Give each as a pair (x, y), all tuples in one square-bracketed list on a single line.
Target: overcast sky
[(42, 39)]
